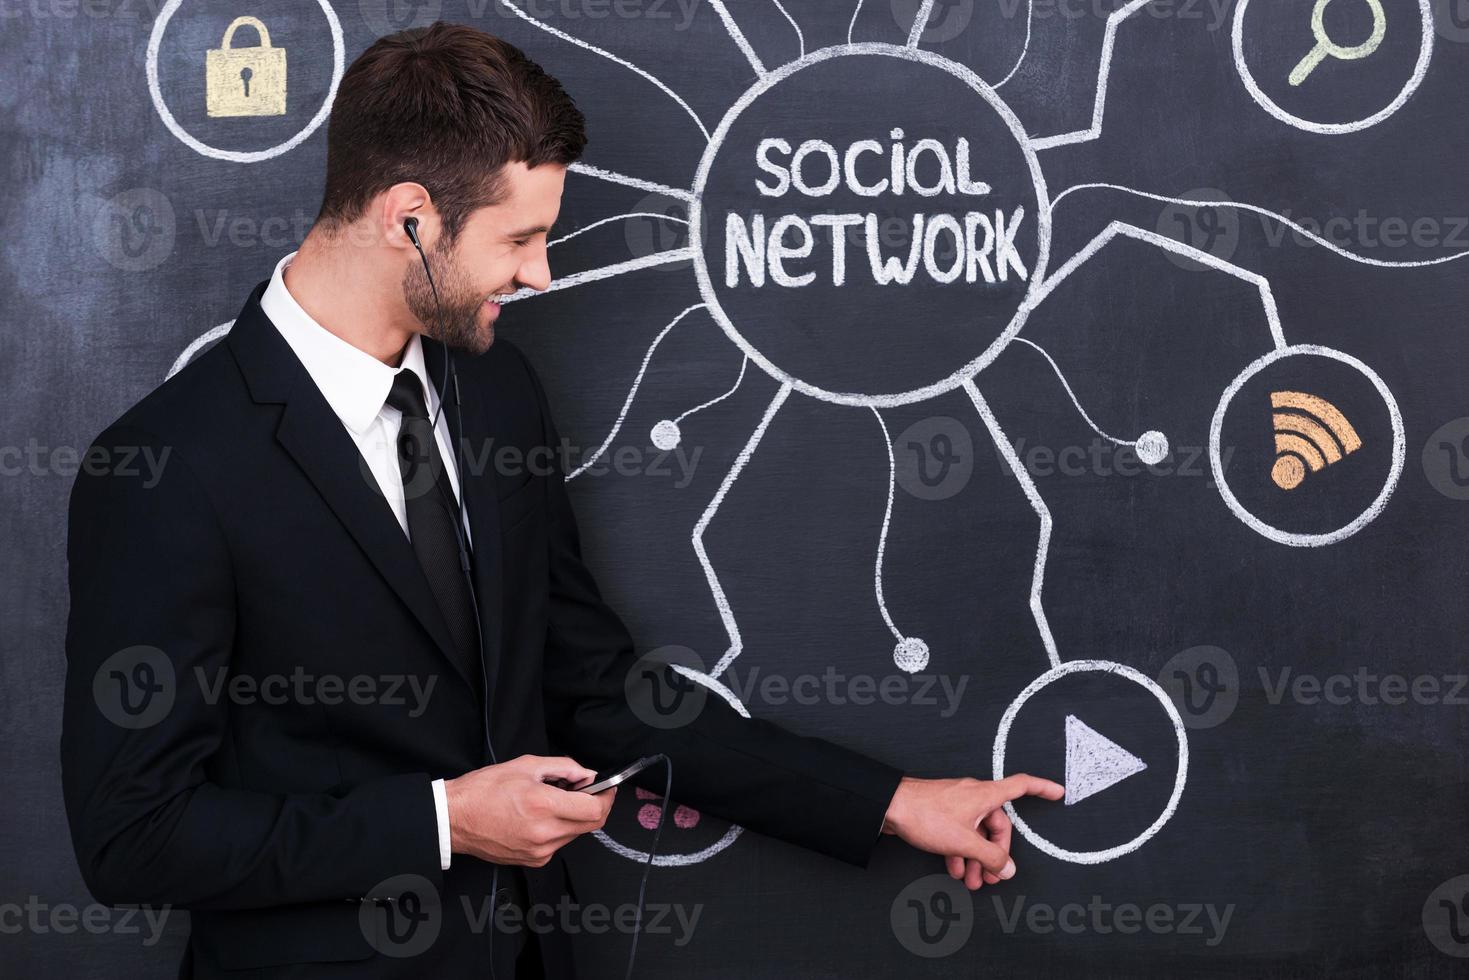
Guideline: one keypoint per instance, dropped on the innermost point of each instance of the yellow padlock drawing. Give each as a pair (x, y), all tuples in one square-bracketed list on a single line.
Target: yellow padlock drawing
[(245, 81)]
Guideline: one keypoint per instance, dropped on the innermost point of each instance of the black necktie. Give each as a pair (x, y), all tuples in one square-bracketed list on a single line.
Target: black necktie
[(432, 515)]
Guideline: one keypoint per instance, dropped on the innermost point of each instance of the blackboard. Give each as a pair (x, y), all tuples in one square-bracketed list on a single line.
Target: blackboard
[(1154, 447)]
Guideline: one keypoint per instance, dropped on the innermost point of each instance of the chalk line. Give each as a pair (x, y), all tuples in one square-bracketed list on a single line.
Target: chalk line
[(1025, 49), (853, 24), (797, 27), (721, 601), (715, 401), (920, 21), (1043, 545), (631, 394), (887, 517), (645, 185), (1266, 212), (1104, 70), (1267, 298), (604, 272), (1074, 400), (616, 217), (554, 32), (738, 36)]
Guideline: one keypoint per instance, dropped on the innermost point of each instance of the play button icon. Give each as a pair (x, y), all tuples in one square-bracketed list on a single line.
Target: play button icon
[(1094, 762), (1042, 732)]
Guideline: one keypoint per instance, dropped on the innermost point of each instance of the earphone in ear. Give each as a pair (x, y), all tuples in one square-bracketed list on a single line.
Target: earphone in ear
[(411, 227)]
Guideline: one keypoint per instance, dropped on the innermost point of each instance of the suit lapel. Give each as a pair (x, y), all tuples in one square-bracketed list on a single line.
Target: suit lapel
[(316, 439), (479, 484)]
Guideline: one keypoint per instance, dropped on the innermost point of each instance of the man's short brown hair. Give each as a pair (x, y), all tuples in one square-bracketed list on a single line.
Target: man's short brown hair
[(447, 106)]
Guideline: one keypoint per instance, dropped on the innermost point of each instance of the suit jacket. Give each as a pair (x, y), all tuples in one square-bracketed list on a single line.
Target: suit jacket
[(299, 829)]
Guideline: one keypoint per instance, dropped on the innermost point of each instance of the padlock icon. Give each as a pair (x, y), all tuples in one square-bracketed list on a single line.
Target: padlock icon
[(245, 81)]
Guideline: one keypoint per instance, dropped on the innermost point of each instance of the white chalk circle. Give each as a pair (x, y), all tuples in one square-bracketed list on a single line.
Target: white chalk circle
[(155, 91), (1420, 69), (1395, 470), (1119, 670), (769, 81)]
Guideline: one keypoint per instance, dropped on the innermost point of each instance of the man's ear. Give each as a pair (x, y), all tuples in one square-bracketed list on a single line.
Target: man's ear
[(399, 203)]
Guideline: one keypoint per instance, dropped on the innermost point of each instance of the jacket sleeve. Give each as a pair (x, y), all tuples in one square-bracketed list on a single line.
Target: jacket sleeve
[(153, 614), (803, 790)]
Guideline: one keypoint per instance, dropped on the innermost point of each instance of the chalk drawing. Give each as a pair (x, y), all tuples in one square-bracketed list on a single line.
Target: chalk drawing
[(1095, 763), (1180, 771), (1390, 482), (1415, 79), (155, 92), (1327, 48)]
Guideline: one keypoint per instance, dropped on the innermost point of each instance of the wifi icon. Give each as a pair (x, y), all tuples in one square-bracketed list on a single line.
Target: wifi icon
[(1310, 434)]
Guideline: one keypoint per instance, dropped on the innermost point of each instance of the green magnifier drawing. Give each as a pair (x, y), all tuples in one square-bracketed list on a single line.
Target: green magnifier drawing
[(1326, 47)]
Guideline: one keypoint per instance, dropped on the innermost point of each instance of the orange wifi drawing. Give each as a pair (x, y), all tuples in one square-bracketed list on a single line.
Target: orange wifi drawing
[(1310, 433)]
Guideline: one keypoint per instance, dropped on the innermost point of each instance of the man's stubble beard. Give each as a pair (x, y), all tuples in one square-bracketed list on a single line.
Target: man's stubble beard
[(454, 319)]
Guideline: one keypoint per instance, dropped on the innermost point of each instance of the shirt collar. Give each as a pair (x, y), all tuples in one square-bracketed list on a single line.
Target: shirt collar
[(354, 383)]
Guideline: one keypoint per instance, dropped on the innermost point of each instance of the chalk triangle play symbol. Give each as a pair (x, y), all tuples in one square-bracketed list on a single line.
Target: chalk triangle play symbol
[(1094, 762)]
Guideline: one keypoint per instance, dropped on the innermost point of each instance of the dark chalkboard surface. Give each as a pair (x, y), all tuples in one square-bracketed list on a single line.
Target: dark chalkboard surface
[(1053, 385)]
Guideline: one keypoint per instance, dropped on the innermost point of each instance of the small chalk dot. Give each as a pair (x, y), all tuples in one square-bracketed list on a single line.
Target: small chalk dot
[(1152, 447), (666, 435), (911, 654)]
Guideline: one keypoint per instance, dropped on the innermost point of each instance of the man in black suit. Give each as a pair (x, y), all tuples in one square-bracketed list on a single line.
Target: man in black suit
[(314, 700)]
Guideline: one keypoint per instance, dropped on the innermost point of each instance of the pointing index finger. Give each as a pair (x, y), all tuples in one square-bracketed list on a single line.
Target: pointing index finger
[(1021, 784)]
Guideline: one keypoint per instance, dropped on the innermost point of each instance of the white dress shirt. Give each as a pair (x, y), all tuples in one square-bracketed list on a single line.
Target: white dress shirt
[(356, 385)]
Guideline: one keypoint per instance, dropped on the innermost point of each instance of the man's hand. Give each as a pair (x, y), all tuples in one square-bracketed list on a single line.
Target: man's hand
[(508, 814), (963, 820)]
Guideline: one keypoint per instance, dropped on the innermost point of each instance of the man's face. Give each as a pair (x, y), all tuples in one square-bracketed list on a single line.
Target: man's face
[(500, 249)]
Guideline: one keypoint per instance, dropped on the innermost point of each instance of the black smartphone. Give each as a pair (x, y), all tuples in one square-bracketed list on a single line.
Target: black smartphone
[(605, 781)]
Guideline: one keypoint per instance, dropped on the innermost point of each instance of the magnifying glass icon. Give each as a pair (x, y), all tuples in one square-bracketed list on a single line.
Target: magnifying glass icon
[(1326, 47)]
